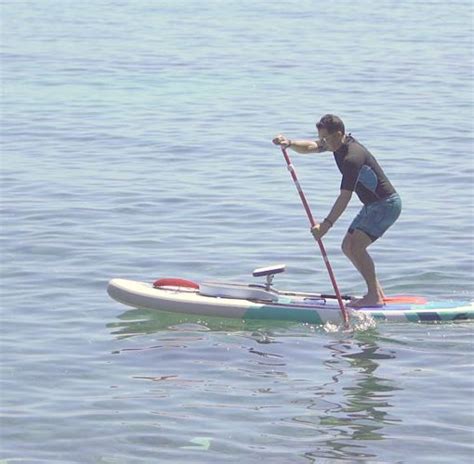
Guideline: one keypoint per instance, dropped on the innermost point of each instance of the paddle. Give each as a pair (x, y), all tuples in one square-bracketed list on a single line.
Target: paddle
[(345, 315)]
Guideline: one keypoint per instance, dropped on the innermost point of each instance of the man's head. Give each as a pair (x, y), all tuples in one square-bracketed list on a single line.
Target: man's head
[(331, 131)]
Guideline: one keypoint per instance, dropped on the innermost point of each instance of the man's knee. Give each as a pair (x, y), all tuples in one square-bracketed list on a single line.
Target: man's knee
[(360, 241), (358, 251), (346, 245)]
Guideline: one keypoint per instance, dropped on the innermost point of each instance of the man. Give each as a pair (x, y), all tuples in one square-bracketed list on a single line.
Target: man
[(360, 173)]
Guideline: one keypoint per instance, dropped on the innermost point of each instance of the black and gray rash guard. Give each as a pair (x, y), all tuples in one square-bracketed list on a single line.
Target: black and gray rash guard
[(361, 172)]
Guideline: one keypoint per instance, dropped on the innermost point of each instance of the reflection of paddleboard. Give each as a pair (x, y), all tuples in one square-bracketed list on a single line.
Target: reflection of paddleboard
[(244, 301)]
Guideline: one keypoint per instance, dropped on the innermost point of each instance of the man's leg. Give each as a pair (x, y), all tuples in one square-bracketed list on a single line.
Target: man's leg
[(347, 249), (355, 246)]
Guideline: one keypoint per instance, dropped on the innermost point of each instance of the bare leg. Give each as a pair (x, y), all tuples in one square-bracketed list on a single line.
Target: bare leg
[(347, 249), (355, 247)]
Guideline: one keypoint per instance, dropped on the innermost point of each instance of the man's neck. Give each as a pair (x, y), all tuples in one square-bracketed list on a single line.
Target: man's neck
[(343, 141)]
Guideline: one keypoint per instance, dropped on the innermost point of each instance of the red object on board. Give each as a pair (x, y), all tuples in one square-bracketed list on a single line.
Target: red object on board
[(172, 282)]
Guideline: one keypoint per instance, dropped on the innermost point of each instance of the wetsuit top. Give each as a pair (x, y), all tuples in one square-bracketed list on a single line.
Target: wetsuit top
[(361, 172)]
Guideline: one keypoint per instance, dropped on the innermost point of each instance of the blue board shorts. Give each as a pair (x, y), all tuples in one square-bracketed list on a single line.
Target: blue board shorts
[(375, 218)]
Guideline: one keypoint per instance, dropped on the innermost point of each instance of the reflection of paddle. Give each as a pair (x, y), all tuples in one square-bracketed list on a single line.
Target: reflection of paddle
[(345, 315)]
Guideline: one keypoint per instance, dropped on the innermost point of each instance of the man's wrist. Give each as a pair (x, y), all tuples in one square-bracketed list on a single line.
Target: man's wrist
[(329, 222)]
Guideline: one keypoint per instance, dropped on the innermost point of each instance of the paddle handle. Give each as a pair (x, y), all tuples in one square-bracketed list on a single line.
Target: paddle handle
[(345, 315)]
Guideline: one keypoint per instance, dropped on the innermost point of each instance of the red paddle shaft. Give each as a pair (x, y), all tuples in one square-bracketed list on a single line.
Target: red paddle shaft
[(345, 315)]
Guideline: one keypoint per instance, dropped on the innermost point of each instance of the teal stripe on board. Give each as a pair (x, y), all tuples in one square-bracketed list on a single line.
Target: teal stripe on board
[(284, 314), (412, 317)]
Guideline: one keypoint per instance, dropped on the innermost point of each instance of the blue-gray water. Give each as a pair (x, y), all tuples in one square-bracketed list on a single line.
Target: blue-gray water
[(136, 143)]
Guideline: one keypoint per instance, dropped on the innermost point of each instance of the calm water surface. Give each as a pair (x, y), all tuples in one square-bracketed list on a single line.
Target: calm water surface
[(136, 143)]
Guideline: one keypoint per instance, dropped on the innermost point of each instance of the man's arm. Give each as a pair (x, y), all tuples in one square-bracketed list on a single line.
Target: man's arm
[(303, 147), (339, 206), (307, 146), (319, 230)]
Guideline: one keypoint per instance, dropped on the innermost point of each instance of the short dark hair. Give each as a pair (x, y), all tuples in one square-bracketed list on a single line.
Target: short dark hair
[(331, 123)]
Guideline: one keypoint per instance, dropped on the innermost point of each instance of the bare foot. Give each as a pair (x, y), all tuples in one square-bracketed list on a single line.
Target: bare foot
[(367, 300)]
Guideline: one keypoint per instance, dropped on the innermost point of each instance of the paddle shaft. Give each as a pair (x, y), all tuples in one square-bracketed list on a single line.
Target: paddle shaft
[(345, 315)]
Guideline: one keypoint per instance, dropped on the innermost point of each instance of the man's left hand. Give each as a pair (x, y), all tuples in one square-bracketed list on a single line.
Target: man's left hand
[(320, 230)]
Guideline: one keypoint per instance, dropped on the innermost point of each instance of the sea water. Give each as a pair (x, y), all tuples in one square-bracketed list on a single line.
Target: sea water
[(136, 142)]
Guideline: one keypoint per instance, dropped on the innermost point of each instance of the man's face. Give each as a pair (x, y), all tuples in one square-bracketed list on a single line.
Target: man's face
[(333, 141)]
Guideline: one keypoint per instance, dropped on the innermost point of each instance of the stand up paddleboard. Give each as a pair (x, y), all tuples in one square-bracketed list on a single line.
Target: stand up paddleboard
[(264, 302), (259, 301)]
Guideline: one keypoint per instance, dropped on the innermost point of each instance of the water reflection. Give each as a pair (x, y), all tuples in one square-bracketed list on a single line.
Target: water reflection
[(136, 322), (324, 395), (364, 412)]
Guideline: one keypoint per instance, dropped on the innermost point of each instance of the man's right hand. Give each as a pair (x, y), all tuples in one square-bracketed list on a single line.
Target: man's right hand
[(282, 141)]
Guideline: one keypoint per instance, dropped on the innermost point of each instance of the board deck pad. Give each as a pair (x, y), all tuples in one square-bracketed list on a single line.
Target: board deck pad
[(405, 299)]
